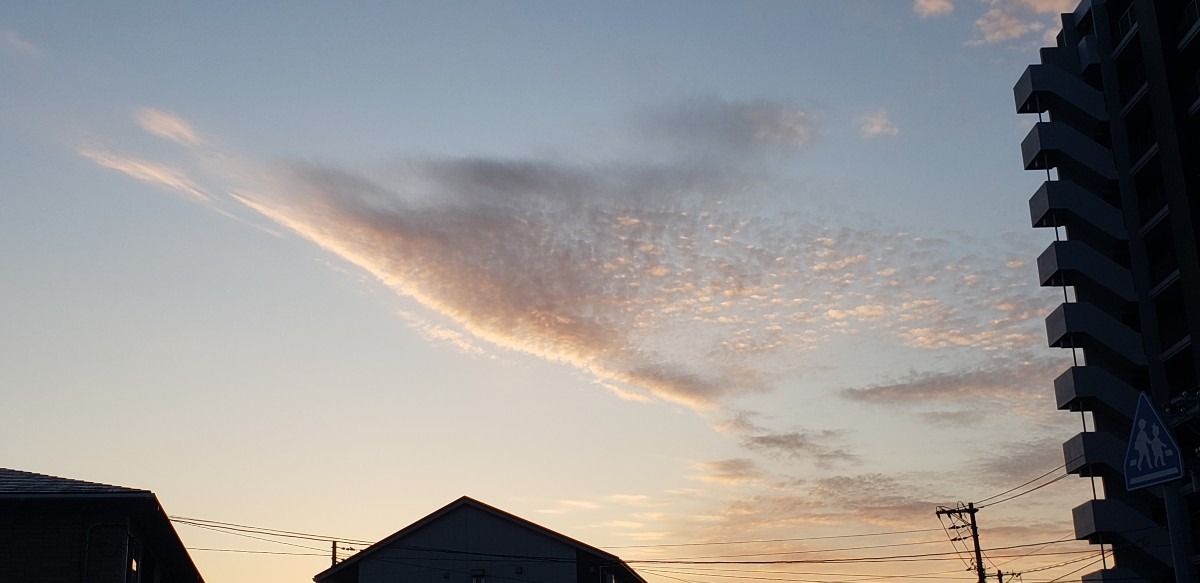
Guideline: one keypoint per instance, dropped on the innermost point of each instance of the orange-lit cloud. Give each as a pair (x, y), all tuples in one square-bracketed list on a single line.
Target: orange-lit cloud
[(932, 8), (728, 471), (167, 126), (147, 171)]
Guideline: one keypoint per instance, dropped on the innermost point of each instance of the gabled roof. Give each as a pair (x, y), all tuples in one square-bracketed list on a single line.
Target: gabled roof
[(471, 502), (18, 485)]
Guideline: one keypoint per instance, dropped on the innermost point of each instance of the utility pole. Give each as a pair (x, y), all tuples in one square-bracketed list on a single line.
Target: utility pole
[(969, 510), (333, 553)]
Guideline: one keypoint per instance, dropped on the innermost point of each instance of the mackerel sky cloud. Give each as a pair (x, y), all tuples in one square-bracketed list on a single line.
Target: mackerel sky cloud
[(624, 270)]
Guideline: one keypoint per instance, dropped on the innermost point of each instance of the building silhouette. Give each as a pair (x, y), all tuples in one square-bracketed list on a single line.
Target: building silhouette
[(59, 530), (468, 541), (1118, 136)]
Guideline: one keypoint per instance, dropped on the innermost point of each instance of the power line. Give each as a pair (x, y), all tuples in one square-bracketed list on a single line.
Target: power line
[(278, 542), (859, 576), (1018, 487), (1030, 491), (775, 540), (248, 531), (254, 552), (263, 530), (808, 551)]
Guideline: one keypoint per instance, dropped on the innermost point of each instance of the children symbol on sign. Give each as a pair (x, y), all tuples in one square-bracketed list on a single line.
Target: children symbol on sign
[(1145, 445), (1142, 445), (1158, 447)]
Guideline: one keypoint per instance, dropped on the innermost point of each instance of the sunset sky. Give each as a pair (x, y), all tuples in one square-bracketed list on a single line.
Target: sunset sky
[(646, 273)]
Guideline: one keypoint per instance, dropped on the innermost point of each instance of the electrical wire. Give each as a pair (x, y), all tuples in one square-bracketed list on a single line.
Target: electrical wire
[(1030, 491), (775, 540), (278, 542), (1018, 487), (254, 552), (262, 530)]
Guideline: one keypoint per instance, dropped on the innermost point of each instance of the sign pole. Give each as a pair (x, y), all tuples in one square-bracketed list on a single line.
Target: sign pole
[(1179, 529)]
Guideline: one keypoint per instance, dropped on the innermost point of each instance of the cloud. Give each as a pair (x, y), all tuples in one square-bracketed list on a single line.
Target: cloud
[(1018, 382), (147, 171), (1050, 6), (1019, 461), (167, 126), (728, 471), (876, 123), (16, 42), (628, 272), (873, 498), (814, 445), (932, 8), (730, 125), (612, 270), (1000, 24)]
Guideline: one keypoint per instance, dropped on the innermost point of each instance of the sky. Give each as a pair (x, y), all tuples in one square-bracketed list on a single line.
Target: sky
[(648, 274)]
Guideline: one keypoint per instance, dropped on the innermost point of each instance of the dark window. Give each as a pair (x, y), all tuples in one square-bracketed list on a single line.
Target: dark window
[(1151, 195), (1139, 125), (1160, 252), (1123, 24), (1181, 372), (1172, 317)]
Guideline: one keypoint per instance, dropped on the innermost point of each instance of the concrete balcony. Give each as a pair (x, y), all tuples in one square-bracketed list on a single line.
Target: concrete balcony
[(1083, 325), (1087, 388), (1062, 203), (1094, 453), (1048, 87), (1052, 144), (1117, 523), (1075, 263)]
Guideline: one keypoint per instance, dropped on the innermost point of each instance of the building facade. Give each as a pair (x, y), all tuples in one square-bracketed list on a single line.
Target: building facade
[(468, 541), (1118, 136), (58, 530)]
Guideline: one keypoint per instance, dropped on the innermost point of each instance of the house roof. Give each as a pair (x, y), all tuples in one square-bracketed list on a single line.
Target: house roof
[(468, 501), (19, 485), (29, 489)]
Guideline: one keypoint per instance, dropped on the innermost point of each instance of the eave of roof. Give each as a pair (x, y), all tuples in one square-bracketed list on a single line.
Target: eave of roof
[(21, 485)]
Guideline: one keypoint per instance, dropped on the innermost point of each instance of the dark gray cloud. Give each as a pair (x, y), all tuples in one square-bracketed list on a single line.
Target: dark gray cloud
[(818, 446), (1021, 382), (711, 123)]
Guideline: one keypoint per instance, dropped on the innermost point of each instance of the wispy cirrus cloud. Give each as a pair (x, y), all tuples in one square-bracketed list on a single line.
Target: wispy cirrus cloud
[(872, 498), (147, 171), (17, 43), (728, 471), (167, 126)]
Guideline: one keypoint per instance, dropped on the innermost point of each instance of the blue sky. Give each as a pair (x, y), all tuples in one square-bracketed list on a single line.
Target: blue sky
[(644, 273)]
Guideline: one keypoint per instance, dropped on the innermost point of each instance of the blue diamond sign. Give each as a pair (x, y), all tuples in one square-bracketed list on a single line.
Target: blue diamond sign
[(1153, 457)]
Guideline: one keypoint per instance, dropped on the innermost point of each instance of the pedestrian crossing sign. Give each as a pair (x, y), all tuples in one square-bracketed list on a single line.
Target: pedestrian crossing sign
[(1153, 456)]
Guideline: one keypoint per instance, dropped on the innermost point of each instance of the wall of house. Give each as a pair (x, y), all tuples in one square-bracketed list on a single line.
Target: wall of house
[(468, 545), (54, 546)]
